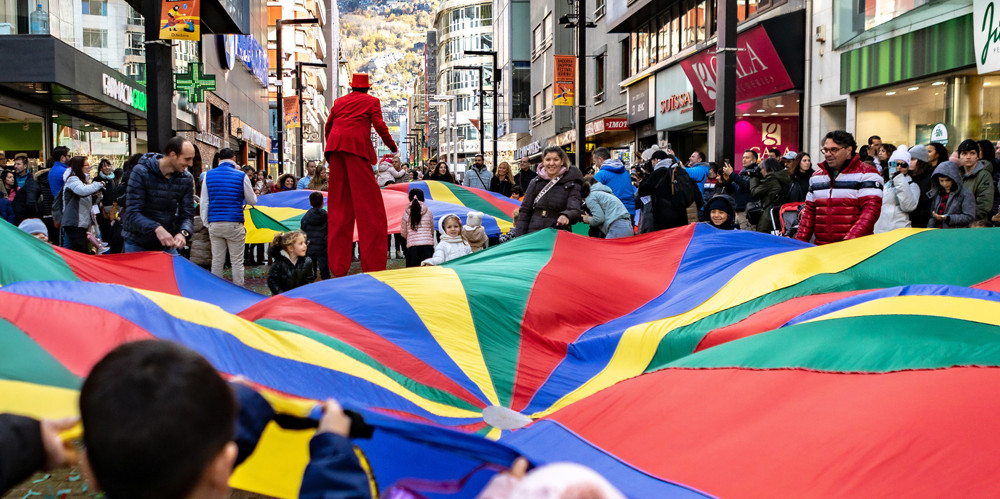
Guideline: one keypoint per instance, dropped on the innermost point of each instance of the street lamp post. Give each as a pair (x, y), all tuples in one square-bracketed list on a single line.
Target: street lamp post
[(482, 139), (279, 24), (420, 139), (493, 54), (298, 90)]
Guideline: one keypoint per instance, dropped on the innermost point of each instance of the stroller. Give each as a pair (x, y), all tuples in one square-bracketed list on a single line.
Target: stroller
[(785, 219)]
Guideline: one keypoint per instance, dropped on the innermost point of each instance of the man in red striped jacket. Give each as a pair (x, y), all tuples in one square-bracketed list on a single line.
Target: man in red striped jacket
[(845, 195)]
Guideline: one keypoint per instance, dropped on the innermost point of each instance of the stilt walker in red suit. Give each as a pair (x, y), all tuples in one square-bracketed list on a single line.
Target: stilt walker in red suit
[(354, 192)]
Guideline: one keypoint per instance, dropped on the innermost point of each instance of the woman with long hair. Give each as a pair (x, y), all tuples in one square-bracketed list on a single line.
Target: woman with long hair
[(8, 184), (936, 154), (503, 181), (441, 173), (320, 180), (801, 171), (78, 203)]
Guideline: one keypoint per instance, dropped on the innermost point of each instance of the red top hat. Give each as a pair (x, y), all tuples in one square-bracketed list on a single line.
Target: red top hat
[(359, 80)]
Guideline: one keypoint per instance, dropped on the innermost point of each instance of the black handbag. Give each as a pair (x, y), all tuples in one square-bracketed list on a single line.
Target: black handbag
[(754, 212)]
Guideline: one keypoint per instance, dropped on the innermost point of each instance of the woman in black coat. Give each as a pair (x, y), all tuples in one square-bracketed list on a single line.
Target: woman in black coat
[(441, 173), (552, 204)]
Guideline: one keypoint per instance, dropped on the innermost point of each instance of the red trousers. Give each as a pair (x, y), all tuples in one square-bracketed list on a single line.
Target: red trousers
[(354, 193)]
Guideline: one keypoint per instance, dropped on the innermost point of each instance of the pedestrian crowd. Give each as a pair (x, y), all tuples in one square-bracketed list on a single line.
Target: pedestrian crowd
[(153, 203)]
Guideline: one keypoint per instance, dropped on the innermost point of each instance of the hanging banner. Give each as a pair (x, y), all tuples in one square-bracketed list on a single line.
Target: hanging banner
[(180, 20), (292, 119), (986, 22), (565, 80)]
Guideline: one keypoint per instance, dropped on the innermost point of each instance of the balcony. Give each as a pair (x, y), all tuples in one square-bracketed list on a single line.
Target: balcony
[(541, 117)]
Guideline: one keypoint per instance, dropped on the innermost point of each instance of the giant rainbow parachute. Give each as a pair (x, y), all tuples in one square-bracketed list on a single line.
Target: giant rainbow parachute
[(684, 363)]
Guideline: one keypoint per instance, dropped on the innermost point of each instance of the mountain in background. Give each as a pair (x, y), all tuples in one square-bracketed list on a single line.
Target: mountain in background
[(385, 38)]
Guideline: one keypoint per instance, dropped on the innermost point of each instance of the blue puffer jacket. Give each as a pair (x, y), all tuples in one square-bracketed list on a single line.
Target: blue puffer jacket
[(614, 175), (699, 173), (154, 200), (225, 193)]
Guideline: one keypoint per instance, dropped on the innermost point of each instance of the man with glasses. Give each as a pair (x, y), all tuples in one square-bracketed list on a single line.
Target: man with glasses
[(845, 195)]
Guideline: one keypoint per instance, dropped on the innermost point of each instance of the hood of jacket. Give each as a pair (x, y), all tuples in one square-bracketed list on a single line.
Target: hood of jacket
[(725, 203), (599, 187), (664, 163), (613, 166), (951, 170), (151, 160)]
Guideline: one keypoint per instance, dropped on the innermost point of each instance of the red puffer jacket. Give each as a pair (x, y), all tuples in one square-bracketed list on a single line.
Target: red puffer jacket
[(844, 209)]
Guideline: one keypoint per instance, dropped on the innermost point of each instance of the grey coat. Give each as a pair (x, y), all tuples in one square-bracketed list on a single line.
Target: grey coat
[(961, 205), (78, 202), (605, 207)]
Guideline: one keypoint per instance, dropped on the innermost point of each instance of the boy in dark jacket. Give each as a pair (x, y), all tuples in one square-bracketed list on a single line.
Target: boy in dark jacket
[(314, 224)]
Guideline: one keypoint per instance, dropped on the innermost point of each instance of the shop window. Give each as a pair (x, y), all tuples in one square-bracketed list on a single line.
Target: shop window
[(216, 119), (625, 60), (633, 59), (521, 90), (653, 43), (663, 35), (95, 7), (599, 69), (642, 48), (854, 17), (95, 38)]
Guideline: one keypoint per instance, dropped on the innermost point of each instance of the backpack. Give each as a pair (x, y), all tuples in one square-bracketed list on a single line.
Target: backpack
[(57, 208)]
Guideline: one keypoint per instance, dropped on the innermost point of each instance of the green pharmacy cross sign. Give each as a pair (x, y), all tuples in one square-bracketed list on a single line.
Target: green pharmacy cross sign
[(194, 83)]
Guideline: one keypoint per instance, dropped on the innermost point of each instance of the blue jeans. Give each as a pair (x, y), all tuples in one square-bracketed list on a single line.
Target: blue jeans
[(131, 247), (619, 228)]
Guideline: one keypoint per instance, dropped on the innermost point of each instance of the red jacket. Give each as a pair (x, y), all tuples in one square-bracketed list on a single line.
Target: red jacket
[(349, 127), (845, 209)]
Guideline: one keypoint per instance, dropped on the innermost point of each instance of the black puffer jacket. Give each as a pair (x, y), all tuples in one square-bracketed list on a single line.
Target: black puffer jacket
[(155, 200), (314, 224), (283, 276), (43, 203), (562, 199), (25, 201)]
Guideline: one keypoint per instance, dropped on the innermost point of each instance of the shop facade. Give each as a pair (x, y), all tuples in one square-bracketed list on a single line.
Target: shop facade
[(614, 134), (923, 86), (679, 116), (65, 97)]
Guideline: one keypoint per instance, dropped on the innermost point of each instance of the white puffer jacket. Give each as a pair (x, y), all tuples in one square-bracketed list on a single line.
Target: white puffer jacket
[(387, 174), (899, 197), (448, 248)]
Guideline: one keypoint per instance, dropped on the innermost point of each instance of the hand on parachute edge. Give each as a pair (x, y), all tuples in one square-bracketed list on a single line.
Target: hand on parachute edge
[(502, 485), (334, 419)]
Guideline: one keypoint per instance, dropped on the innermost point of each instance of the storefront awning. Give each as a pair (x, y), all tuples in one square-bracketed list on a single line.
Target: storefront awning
[(69, 81)]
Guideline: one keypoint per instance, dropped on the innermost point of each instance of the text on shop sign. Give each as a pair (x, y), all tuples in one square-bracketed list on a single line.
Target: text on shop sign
[(123, 92), (681, 102), (986, 37)]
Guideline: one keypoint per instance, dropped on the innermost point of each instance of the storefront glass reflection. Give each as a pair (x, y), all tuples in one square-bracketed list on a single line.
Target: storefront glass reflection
[(966, 104)]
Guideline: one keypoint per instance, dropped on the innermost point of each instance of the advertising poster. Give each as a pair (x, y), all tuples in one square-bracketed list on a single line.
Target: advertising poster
[(565, 80), (179, 20), (292, 119)]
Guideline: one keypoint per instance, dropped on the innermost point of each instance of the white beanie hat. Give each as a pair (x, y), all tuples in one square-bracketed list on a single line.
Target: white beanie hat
[(648, 153), (900, 154)]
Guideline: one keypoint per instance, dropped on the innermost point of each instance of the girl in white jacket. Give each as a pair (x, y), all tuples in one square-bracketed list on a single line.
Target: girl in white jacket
[(452, 245), (900, 195)]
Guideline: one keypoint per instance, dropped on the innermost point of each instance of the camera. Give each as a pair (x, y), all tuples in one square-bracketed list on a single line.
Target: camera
[(752, 171)]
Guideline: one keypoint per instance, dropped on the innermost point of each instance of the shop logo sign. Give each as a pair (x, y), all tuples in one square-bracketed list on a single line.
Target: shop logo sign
[(770, 134), (940, 134), (759, 70), (676, 102), (123, 92), (986, 36)]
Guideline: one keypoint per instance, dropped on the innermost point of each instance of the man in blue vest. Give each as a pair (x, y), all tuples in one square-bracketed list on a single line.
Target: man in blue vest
[(223, 194)]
